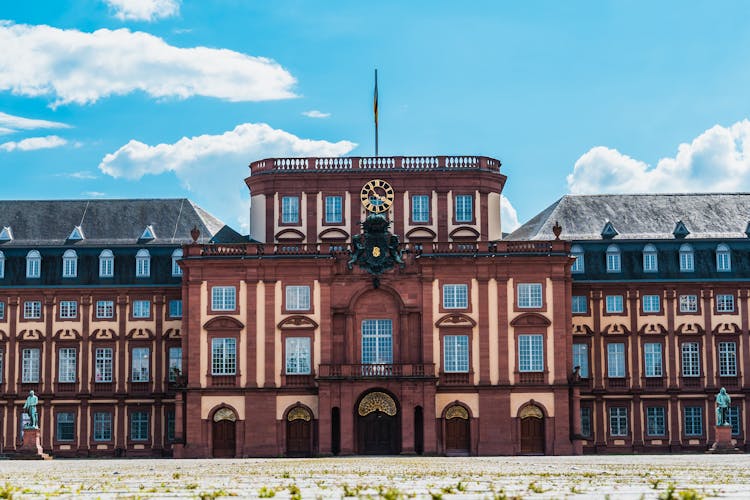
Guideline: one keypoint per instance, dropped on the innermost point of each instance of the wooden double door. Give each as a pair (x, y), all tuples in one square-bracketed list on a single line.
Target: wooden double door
[(299, 438), (224, 439), (457, 437), (378, 434), (532, 436)]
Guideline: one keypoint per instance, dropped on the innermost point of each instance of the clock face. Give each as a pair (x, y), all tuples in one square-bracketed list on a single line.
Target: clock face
[(377, 196)]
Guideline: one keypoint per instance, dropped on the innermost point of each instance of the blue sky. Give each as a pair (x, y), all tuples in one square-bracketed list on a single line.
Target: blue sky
[(165, 98)]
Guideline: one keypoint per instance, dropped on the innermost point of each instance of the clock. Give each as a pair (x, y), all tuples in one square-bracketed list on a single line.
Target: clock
[(377, 196)]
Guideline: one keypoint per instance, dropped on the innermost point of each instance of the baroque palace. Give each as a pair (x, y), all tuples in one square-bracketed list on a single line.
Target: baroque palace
[(375, 308)]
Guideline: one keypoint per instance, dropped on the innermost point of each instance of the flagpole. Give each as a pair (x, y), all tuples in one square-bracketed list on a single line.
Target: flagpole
[(375, 109)]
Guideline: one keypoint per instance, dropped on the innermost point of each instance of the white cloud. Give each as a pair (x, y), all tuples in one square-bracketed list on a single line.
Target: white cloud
[(143, 10), (508, 216), (717, 160), (214, 166), (314, 113), (77, 67), (82, 175), (94, 194), (19, 122), (4, 130), (32, 143)]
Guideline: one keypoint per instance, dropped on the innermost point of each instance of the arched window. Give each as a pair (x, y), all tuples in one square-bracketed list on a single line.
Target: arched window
[(2, 265), (613, 259), (687, 258), (579, 265), (33, 264), (723, 258), (142, 264), (650, 259), (106, 264), (176, 256), (70, 264)]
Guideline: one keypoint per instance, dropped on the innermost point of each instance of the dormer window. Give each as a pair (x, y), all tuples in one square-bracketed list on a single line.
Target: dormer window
[(33, 264), (148, 233), (142, 264), (613, 259), (76, 234), (723, 258), (6, 234), (106, 264), (609, 231), (576, 251), (70, 264), (176, 256), (650, 259), (687, 259)]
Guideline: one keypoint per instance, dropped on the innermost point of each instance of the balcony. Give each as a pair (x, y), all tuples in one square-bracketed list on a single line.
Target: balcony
[(691, 382), (30, 386), (728, 382), (140, 387), (298, 380), (653, 382), (222, 380), (455, 378), (103, 387), (530, 378), (392, 370), (66, 387), (617, 382)]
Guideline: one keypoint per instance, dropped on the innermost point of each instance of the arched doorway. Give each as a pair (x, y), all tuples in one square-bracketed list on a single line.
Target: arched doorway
[(457, 431), (532, 430), (223, 433), (299, 432), (378, 425)]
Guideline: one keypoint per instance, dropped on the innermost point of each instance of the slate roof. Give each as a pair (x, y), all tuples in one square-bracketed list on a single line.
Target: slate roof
[(641, 217), (39, 223)]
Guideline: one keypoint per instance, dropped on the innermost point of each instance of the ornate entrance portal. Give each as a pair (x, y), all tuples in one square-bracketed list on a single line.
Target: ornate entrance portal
[(378, 425), (532, 430), (223, 431), (457, 434), (298, 433)]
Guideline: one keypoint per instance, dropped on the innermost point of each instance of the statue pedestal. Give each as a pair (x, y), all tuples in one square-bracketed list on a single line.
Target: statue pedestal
[(723, 443), (31, 449)]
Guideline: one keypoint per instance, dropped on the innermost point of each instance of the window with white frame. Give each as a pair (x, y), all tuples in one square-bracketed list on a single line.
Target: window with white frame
[(652, 358), (102, 426), (580, 304), (176, 256), (103, 365), (724, 303), (139, 426), (289, 209), (33, 264), (65, 428), (529, 295), (650, 259), (223, 356), (618, 421), (651, 304), (298, 355), (723, 258), (68, 309), (2, 265), (688, 303), (727, 359), (2, 310), (334, 212), (174, 363), (456, 296), (693, 420), (655, 421), (531, 353), (297, 297), (615, 360), (106, 264), (30, 365), (581, 359), (614, 303), (579, 266), (377, 341), (420, 208), (691, 360), (223, 298), (32, 309), (687, 258), (105, 309), (66, 365), (141, 309), (585, 421), (734, 419), (142, 263), (70, 264), (141, 361), (613, 259), (456, 353), (175, 308), (464, 208)]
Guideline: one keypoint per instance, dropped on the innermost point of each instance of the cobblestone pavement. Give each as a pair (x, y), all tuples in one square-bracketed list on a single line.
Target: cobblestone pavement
[(615, 477)]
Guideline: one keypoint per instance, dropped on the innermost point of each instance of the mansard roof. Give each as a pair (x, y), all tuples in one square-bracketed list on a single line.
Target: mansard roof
[(641, 217), (37, 223)]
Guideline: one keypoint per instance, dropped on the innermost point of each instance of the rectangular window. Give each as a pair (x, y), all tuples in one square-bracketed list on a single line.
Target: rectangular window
[(33, 267), (66, 428), (105, 309), (734, 419), (298, 298), (223, 356), (655, 421), (68, 309), (691, 364), (174, 363), (578, 263), (530, 353), (581, 359), (377, 341), (223, 298), (464, 208), (139, 426), (334, 214), (66, 365), (289, 210), (30, 366), (169, 417), (103, 365), (614, 304), (615, 360), (618, 421), (456, 353), (724, 303), (102, 426), (2, 310), (651, 304), (141, 308), (142, 266), (687, 263), (529, 295), (688, 303), (723, 261), (420, 208), (32, 309), (176, 269), (727, 359), (585, 421), (580, 304), (297, 355), (141, 364), (455, 296), (650, 262), (70, 267), (652, 359), (106, 267), (693, 420), (613, 262), (175, 308)]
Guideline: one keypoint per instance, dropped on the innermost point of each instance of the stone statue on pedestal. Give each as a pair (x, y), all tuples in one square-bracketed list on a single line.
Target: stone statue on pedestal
[(30, 407), (722, 407)]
